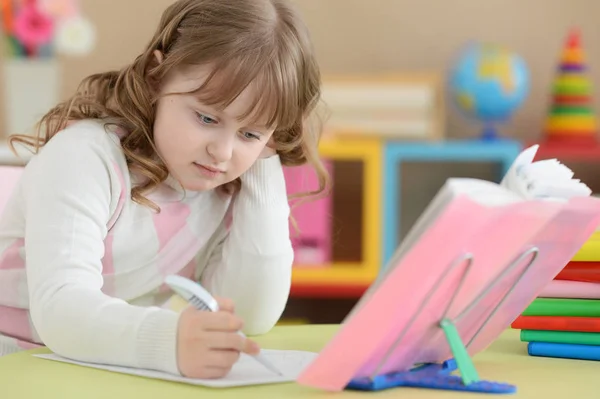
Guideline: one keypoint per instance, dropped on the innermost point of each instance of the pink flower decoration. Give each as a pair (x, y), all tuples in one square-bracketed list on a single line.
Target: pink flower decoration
[(32, 27)]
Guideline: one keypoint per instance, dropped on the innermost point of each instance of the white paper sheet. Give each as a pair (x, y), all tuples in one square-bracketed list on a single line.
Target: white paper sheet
[(246, 371)]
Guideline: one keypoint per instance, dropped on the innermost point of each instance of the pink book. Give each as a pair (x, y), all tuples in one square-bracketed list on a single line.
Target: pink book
[(571, 289), (311, 238), (456, 263), (556, 243)]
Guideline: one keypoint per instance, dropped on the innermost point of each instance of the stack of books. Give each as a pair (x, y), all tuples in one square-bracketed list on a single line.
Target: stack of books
[(564, 321)]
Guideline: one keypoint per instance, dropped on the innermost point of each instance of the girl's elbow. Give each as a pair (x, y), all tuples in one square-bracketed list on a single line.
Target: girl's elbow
[(259, 328), (53, 335), (264, 323), (53, 331)]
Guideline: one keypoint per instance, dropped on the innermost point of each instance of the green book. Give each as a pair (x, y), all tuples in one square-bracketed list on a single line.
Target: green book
[(561, 337), (563, 307)]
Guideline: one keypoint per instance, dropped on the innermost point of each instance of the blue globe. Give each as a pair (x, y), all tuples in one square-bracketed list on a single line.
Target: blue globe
[(489, 83)]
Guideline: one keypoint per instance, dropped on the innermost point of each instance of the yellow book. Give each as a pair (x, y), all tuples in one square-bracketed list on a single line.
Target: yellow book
[(590, 252)]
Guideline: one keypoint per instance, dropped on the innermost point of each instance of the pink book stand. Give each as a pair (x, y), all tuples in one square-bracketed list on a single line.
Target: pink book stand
[(470, 274)]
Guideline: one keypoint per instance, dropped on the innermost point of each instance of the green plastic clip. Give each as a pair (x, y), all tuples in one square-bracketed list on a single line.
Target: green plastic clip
[(461, 356)]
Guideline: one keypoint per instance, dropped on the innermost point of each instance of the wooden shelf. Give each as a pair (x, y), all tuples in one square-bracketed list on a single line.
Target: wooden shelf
[(342, 273), (328, 290), (334, 280)]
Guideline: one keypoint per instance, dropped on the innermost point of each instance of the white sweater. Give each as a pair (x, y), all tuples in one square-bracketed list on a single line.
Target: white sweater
[(92, 287)]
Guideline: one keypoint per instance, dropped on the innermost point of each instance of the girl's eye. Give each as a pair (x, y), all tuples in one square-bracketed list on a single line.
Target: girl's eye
[(206, 119), (250, 136)]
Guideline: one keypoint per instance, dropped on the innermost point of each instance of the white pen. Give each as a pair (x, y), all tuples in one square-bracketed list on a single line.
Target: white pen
[(198, 297)]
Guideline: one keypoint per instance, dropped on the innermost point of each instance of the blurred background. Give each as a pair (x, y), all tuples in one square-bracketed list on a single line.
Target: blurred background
[(441, 74)]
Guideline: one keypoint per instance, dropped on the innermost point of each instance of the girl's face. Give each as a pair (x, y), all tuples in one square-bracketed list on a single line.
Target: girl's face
[(204, 148)]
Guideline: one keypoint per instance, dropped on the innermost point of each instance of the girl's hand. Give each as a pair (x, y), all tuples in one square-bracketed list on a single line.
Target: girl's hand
[(208, 343)]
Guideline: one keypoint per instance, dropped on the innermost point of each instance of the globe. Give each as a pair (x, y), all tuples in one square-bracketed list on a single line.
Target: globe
[(489, 83)]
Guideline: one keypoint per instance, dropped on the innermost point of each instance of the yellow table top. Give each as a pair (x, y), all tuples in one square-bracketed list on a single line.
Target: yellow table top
[(23, 376)]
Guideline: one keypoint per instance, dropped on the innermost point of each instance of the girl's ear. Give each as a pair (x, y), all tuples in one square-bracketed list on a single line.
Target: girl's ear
[(155, 61), (158, 55)]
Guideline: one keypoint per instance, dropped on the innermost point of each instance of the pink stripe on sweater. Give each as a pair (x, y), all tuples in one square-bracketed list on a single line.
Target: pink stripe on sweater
[(121, 201), (15, 323), (176, 259), (108, 265), (12, 257), (171, 219)]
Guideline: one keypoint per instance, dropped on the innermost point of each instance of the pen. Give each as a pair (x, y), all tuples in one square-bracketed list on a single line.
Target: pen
[(201, 299)]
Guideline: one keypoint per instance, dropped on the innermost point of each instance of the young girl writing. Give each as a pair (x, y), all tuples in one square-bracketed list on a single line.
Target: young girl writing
[(172, 165)]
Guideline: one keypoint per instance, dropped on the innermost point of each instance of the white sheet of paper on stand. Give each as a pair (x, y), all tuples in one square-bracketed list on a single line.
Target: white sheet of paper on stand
[(546, 178), (246, 371)]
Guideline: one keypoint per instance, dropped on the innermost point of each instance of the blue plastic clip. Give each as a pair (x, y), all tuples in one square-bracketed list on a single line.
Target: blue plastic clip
[(431, 376), (437, 376)]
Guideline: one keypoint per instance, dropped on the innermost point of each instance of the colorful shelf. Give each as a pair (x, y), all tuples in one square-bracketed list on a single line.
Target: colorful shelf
[(502, 152), (349, 279), (382, 161)]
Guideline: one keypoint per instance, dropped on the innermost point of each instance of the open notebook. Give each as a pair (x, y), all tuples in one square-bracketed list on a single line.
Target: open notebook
[(245, 372)]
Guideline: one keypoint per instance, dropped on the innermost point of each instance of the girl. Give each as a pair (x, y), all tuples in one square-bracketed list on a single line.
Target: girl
[(172, 165)]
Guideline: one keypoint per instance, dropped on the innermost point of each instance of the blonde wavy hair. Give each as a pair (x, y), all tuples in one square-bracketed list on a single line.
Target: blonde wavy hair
[(245, 41)]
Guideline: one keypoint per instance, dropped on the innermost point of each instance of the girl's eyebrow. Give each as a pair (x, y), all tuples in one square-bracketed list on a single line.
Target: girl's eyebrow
[(207, 107), (224, 114), (259, 127)]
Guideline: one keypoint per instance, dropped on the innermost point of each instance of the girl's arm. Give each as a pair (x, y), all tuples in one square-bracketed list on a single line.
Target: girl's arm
[(69, 190), (252, 263)]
